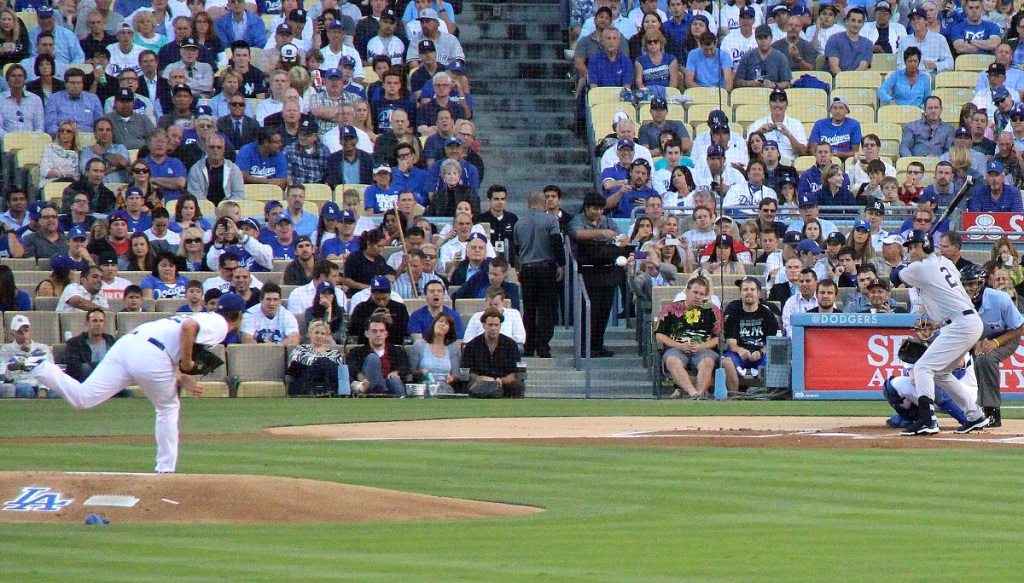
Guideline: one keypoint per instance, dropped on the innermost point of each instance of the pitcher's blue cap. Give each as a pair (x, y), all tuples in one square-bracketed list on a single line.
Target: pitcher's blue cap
[(230, 302)]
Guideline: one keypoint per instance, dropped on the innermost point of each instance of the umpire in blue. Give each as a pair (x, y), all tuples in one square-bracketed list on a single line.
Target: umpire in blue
[(541, 261), (999, 340)]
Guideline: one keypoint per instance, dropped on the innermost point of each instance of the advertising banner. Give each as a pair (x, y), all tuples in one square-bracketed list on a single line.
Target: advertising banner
[(985, 227)]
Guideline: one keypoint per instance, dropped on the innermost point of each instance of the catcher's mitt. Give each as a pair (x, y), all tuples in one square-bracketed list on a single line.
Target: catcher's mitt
[(204, 361), (911, 350)]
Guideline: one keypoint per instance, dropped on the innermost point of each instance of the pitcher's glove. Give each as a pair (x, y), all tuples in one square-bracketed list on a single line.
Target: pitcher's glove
[(911, 350), (204, 361)]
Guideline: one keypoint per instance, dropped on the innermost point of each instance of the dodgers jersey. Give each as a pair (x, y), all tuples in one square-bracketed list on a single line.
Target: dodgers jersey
[(938, 281), (269, 330), (213, 328)]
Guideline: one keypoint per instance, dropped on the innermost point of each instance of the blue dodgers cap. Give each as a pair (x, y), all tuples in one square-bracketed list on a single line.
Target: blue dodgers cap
[(380, 284), (453, 141), (325, 286), (1000, 93), (335, 24), (134, 191), (929, 196), (63, 264), (791, 238), (284, 219), (44, 11), (808, 246), (330, 211), (742, 280), (861, 224), (347, 216), (204, 110), (303, 239), (659, 103), (1017, 109), (230, 302), (771, 144), (962, 132), (348, 61), (995, 167), (35, 210), (477, 236), (702, 18), (348, 132), (917, 13), (718, 117), (716, 150), (747, 12), (251, 223), (77, 232), (625, 144), (808, 199), (457, 66), (332, 73), (117, 216), (271, 205)]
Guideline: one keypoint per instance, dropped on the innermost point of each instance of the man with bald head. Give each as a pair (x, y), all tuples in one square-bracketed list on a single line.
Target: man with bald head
[(626, 130), (401, 130)]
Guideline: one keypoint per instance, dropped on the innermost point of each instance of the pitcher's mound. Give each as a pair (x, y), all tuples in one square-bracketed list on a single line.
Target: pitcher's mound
[(198, 498)]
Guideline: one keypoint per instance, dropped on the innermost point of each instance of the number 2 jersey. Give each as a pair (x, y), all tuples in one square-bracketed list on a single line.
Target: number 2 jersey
[(938, 281)]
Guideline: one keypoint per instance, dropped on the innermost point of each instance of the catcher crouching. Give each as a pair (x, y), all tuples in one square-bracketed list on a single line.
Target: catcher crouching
[(900, 391), (157, 356)]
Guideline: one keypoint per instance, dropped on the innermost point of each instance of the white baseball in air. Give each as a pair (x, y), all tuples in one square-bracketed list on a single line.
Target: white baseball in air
[(620, 261)]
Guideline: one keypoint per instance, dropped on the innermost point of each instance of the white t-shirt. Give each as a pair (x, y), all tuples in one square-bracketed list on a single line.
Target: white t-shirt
[(731, 17), (170, 237), (225, 286), (120, 61), (611, 156), (269, 330), (449, 249), (302, 298), (511, 327), (735, 45), (76, 290), (213, 328), (785, 146), (332, 141), (115, 289), (333, 60)]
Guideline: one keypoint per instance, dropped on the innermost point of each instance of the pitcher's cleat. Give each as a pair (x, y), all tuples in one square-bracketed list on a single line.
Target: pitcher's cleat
[(970, 426), (24, 363)]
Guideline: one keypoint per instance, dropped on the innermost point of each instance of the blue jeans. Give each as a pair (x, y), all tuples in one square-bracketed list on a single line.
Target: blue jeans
[(378, 384)]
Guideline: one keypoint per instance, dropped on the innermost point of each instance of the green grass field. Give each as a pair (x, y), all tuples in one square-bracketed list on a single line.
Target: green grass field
[(614, 514)]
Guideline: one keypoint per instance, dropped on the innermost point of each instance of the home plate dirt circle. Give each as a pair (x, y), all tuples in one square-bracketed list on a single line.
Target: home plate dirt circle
[(722, 431), (207, 498)]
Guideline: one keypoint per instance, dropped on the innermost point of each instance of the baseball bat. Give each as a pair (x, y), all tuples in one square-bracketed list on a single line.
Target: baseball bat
[(959, 198)]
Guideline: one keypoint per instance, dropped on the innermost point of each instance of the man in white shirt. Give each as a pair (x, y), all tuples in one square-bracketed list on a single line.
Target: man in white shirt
[(738, 42), (124, 54), (826, 26), (786, 130), (454, 250), (620, 21), (800, 302), (736, 142), (267, 323), (85, 295), (511, 327), (113, 286), (625, 129), (302, 298), (20, 384)]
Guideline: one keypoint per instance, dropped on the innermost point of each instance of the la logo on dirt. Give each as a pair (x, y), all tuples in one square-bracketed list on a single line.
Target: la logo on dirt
[(37, 500)]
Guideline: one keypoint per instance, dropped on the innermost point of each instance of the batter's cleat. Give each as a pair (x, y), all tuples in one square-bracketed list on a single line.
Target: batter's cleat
[(24, 363), (897, 421), (921, 428), (970, 426), (995, 416)]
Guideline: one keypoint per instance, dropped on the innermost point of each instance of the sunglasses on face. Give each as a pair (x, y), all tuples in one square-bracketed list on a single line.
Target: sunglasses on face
[(140, 170), (191, 241), (914, 172), (1016, 118), (237, 104)]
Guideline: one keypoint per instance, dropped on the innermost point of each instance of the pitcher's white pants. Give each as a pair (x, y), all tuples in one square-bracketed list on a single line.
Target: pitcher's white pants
[(937, 365), (131, 360)]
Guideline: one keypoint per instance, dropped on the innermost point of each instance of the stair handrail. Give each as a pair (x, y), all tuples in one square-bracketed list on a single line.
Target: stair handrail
[(580, 341)]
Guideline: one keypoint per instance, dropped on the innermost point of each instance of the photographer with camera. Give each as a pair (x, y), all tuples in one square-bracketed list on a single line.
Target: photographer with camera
[(243, 242)]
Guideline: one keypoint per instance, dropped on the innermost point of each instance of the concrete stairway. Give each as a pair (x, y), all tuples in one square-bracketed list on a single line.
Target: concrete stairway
[(523, 99), (620, 377)]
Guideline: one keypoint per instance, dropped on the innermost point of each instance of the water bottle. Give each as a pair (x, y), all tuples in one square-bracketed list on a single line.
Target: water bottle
[(430, 385), (721, 391), (344, 386)]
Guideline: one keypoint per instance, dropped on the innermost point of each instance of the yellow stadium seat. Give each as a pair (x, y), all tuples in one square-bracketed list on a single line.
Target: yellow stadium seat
[(206, 207), (951, 114), (319, 192), (598, 95), (602, 114), (929, 163), (747, 113), (708, 95), (866, 79), (263, 192), (133, 155), (675, 111), (749, 96), (954, 96), (884, 131), (801, 97), (890, 148), (29, 18), (974, 63), (812, 112), (802, 163), (966, 79), (698, 113), (267, 18), (670, 92), (862, 113), (20, 140), (369, 75), (85, 139), (883, 62), (260, 368), (901, 114), (858, 95), (54, 191), (823, 76), (251, 208)]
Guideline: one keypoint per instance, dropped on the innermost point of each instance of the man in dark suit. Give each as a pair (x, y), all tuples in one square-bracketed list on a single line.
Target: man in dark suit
[(351, 155), (780, 292), (152, 84), (238, 127)]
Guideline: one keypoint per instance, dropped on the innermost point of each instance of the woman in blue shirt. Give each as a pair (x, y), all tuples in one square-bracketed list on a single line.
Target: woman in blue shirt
[(655, 67), (187, 214), (909, 86), (165, 281), (12, 298)]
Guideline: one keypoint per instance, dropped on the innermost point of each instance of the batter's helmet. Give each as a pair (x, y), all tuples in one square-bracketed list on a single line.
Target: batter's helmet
[(918, 236), (973, 278)]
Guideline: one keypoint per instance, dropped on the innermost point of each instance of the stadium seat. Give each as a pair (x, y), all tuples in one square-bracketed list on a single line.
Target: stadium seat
[(901, 114), (975, 63), (858, 95), (883, 62), (133, 155), (698, 113), (23, 264), (45, 326), (85, 139), (954, 96), (318, 192), (251, 208), (670, 93), (706, 95), (128, 321), (823, 76), (263, 192), (862, 113), (675, 111), (929, 163), (22, 140), (884, 131), (800, 98), (28, 17), (745, 114), (598, 95), (966, 79), (170, 304), (414, 304), (54, 192), (31, 277), (73, 323), (260, 369), (865, 79), (369, 75), (951, 114), (273, 277), (602, 114), (749, 96), (42, 304)]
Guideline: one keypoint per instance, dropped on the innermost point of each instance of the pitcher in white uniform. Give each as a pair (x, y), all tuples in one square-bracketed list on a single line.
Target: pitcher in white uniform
[(938, 282), (151, 356)]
